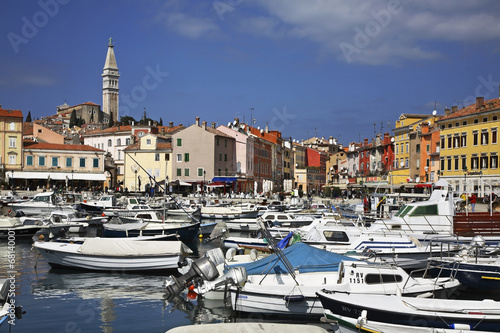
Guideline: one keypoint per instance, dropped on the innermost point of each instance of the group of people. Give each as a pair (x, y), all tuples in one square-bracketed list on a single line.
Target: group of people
[(471, 199)]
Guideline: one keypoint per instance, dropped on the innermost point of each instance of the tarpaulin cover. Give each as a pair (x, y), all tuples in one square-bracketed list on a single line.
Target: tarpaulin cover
[(303, 257)]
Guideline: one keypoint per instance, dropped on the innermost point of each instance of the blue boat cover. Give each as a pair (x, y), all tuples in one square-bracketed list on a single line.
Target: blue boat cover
[(303, 257)]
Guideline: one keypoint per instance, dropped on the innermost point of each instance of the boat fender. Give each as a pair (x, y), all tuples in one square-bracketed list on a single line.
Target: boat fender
[(294, 298), (254, 255), (361, 319), (230, 254), (460, 327)]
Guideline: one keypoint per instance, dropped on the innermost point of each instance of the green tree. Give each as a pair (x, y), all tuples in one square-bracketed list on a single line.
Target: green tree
[(28, 117), (126, 120), (161, 122), (72, 119), (111, 122)]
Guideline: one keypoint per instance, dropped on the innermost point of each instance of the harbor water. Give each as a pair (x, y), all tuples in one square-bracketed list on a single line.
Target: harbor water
[(64, 300)]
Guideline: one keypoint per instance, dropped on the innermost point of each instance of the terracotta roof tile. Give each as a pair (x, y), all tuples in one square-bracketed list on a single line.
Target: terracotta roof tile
[(11, 113), (55, 146), (489, 105)]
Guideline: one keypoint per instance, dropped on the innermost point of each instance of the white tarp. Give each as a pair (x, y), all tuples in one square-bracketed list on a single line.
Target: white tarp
[(125, 247)]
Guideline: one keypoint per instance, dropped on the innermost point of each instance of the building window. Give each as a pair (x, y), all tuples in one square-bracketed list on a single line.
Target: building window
[(406, 162), (397, 149), (12, 142), (69, 162), (148, 142), (455, 159), (127, 141), (227, 172), (41, 160), (95, 162), (186, 157), (476, 121), (457, 124), (157, 157), (494, 161), (464, 162), (474, 162), (217, 141), (179, 157), (442, 142), (179, 142), (186, 172), (441, 164), (179, 172), (55, 161), (464, 123), (493, 136), (484, 137), (484, 161), (485, 119), (456, 141), (428, 148), (12, 159), (225, 157), (29, 160), (225, 142), (200, 172), (82, 162), (475, 140), (119, 142), (417, 148), (464, 140), (109, 143), (449, 142), (448, 163)]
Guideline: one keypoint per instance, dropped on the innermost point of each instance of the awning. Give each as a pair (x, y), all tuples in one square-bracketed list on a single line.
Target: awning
[(56, 175), (424, 185), (180, 183), (224, 179), (217, 184)]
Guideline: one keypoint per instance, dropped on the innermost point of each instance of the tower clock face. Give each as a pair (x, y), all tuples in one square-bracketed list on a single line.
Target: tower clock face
[(12, 126), (140, 134)]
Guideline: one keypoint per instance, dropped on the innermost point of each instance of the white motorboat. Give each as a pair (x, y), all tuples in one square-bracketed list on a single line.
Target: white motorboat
[(477, 315), (113, 254), (42, 203), (227, 212), (289, 287), (278, 219), (361, 324)]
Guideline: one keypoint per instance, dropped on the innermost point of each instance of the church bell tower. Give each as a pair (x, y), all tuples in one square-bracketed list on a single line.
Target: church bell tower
[(110, 87)]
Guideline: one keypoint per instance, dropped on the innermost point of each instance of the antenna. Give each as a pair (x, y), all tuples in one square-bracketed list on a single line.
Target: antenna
[(252, 120)]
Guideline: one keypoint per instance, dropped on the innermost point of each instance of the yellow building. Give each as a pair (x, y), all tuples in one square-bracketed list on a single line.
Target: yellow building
[(148, 157), (402, 171), (11, 141), (469, 147)]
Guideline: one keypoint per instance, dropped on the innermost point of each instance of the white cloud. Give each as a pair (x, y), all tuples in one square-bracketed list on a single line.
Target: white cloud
[(380, 31)]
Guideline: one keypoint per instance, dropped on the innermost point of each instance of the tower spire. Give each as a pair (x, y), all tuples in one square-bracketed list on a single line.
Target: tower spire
[(110, 88)]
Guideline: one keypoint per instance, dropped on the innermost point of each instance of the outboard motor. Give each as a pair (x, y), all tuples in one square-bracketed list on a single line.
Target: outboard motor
[(201, 269)]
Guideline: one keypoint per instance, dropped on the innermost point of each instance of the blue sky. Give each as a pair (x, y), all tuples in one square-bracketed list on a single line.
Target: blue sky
[(307, 68)]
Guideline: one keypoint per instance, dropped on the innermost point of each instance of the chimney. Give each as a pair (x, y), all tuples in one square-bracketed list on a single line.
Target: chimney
[(267, 129), (171, 124), (446, 111), (213, 124), (197, 121), (133, 123), (365, 142), (454, 109), (479, 102), (204, 124), (237, 120)]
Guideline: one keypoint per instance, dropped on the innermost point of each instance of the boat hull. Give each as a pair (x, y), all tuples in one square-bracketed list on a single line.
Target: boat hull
[(185, 233), (389, 309)]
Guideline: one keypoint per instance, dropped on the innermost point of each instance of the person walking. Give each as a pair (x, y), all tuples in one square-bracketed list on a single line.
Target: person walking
[(472, 200)]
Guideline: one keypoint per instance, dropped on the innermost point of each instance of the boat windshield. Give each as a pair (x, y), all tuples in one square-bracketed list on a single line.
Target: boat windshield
[(42, 198), (403, 211), (425, 210)]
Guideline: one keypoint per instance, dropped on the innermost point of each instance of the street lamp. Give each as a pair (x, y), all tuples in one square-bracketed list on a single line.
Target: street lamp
[(426, 168), (465, 179)]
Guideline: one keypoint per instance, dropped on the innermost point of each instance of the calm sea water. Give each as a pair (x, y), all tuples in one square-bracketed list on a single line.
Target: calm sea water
[(62, 300)]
